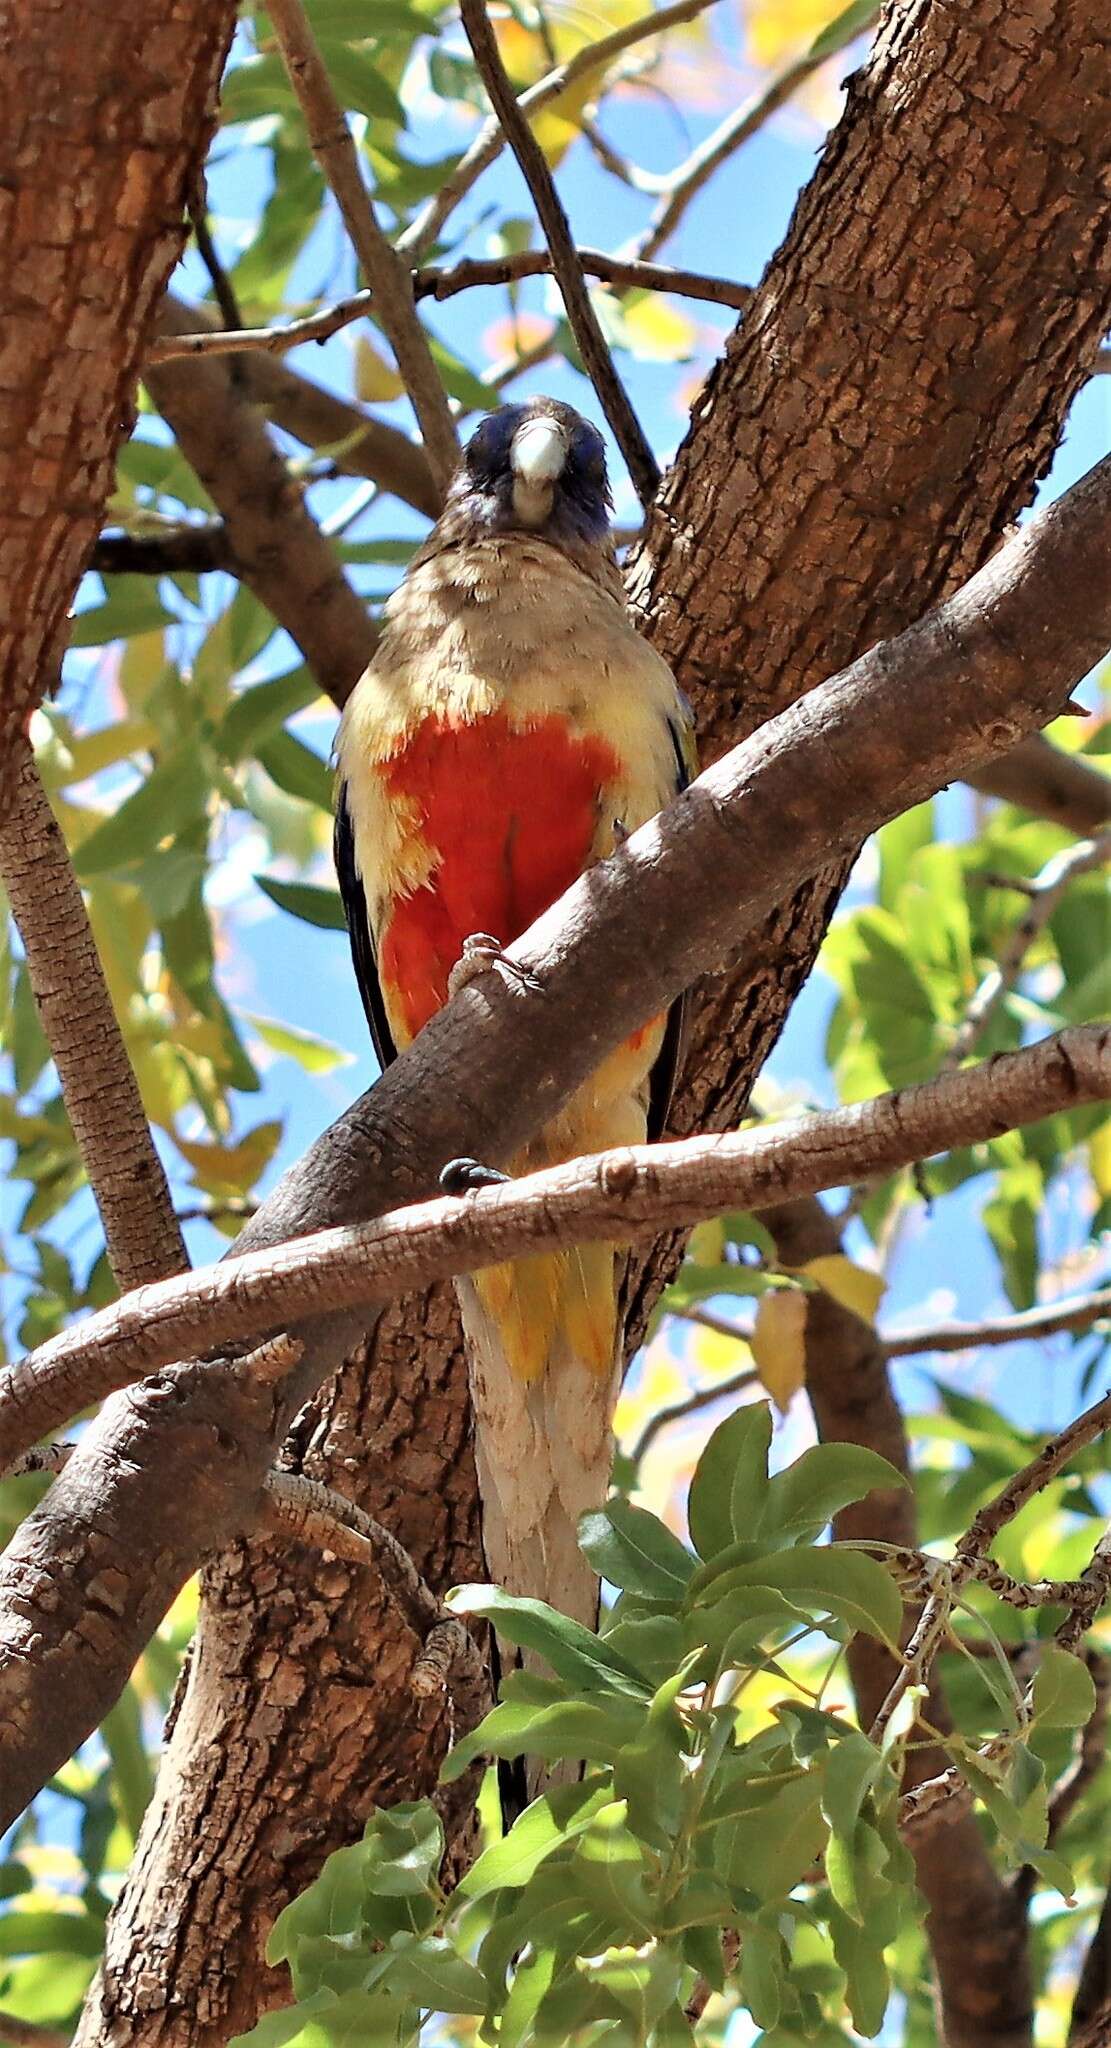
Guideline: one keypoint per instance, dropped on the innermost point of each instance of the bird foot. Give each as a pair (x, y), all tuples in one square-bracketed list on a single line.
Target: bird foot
[(462, 1176), (481, 954)]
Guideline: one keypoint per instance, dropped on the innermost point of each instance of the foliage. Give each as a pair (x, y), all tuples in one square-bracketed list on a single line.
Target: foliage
[(186, 756), (704, 1824)]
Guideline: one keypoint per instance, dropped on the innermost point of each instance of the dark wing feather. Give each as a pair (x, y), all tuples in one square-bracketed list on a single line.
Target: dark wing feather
[(362, 943), (661, 1084)]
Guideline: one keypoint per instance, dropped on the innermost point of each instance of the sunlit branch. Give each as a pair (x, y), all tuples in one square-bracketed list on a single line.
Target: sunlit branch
[(611, 393), (387, 275), (489, 143)]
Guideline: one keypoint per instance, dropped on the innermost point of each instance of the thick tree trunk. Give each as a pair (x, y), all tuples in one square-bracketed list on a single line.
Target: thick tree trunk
[(105, 114), (895, 391)]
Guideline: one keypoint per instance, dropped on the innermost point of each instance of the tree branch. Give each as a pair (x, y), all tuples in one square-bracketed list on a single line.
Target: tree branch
[(1046, 892), (387, 276), (279, 550), (98, 1082), (593, 348), (1068, 789), (1077, 1312), (444, 284), (933, 1622), (620, 1195), (490, 141), (318, 1515), (680, 186), (178, 547)]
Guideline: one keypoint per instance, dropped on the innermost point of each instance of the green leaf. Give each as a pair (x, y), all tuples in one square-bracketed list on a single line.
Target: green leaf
[(121, 1732), (257, 713), (1064, 1693), (296, 769), (38, 1931), (322, 907), (852, 1767), (761, 1973), (555, 1818), (825, 1479), (773, 1839), (173, 797), (594, 1728), (867, 1985), (610, 1867), (649, 1773), (132, 607), (852, 21), (828, 1580), (429, 1971), (583, 1659), (634, 1550), (730, 1486)]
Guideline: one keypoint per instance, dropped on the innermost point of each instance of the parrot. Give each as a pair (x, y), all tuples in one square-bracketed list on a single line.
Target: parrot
[(511, 729)]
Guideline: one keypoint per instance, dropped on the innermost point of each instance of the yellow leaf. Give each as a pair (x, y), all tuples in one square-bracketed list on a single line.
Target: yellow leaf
[(375, 378), (779, 1343), (230, 1169), (854, 1287), (142, 664), (780, 28), (1099, 1158), (707, 1243), (711, 1351), (660, 333)]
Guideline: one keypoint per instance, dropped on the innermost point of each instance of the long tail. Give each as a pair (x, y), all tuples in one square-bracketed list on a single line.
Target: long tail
[(544, 1381)]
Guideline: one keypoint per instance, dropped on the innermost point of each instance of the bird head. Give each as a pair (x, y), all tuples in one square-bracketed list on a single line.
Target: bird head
[(538, 466)]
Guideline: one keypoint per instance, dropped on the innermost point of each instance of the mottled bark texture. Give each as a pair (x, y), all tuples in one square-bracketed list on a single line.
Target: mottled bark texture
[(105, 113), (895, 393)]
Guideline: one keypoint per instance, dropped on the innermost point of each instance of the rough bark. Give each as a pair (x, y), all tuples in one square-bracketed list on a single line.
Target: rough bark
[(279, 550), (976, 1926), (104, 117), (896, 392)]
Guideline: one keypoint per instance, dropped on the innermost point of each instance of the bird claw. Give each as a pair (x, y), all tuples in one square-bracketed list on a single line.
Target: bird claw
[(481, 954), (462, 1176)]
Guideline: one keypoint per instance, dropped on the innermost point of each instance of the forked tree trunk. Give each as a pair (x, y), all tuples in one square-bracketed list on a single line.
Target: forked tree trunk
[(895, 391)]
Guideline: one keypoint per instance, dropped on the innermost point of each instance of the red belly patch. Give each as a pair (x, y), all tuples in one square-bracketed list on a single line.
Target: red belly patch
[(511, 814)]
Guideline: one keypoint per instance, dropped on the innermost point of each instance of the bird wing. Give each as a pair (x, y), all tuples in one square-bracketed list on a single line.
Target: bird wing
[(661, 1085), (363, 952)]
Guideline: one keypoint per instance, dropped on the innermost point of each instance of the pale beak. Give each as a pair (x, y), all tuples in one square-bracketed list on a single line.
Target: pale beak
[(537, 455)]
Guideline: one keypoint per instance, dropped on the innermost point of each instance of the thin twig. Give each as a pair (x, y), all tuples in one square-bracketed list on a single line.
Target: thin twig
[(1045, 892), (315, 1514), (99, 1087), (223, 290), (437, 284), (1077, 1313), (688, 179), (490, 141), (386, 274), (627, 430), (933, 1622), (703, 1397)]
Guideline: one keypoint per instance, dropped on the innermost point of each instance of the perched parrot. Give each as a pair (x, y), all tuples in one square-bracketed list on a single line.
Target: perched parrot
[(511, 728)]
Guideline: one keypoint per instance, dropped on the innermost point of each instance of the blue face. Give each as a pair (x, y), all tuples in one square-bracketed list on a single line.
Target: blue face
[(580, 499)]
